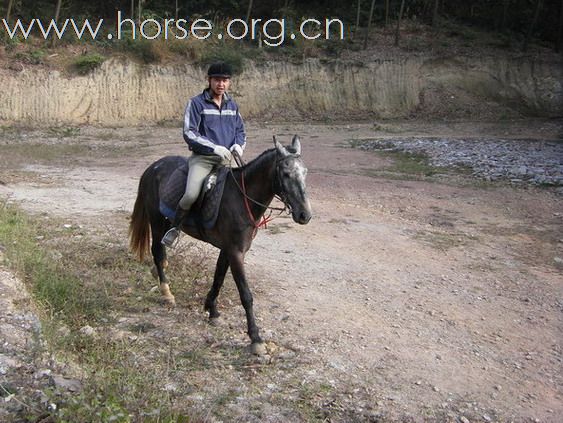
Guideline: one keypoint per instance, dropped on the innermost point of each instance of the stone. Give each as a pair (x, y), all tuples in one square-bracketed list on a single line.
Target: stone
[(87, 331), (72, 385)]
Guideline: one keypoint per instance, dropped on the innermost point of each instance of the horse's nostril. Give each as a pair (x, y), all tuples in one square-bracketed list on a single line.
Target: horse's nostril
[(304, 217)]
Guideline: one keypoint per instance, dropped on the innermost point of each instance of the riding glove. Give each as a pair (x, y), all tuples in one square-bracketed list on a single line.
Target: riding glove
[(237, 149), (222, 152)]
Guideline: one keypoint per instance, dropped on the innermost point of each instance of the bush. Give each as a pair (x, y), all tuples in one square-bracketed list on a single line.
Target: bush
[(224, 53), (87, 63), (144, 50)]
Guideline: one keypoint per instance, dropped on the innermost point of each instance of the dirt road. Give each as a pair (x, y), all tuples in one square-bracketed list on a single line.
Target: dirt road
[(404, 298)]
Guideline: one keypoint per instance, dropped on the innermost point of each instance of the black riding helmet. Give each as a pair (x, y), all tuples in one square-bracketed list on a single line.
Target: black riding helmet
[(220, 70)]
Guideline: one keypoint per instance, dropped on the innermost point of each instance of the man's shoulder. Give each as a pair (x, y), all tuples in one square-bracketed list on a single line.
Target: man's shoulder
[(231, 103), (197, 102), (199, 98)]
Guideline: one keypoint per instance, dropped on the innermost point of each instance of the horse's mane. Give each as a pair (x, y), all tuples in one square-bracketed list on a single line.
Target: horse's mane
[(258, 160), (265, 155)]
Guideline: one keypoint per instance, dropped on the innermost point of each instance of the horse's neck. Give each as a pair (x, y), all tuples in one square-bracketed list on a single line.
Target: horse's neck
[(259, 177)]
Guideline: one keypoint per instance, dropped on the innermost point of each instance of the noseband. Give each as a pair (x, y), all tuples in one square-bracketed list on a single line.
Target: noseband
[(277, 187)]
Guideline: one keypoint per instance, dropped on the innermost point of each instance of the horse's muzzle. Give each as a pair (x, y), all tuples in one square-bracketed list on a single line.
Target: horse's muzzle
[(302, 217)]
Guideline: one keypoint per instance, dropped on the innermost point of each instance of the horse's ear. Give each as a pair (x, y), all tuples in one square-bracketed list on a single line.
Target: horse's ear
[(281, 149), (296, 144)]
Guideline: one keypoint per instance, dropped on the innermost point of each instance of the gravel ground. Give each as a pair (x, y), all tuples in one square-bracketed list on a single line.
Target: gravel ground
[(538, 162), (403, 299)]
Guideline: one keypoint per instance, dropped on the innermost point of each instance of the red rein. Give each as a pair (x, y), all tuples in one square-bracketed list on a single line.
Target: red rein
[(265, 220)]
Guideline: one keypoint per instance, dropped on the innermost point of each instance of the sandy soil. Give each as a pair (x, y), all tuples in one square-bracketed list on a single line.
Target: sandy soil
[(403, 299)]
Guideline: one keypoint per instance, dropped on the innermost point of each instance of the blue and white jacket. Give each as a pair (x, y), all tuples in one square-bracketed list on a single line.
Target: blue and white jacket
[(206, 125)]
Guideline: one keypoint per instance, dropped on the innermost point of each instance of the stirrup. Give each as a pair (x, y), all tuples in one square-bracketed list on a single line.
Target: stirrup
[(171, 238)]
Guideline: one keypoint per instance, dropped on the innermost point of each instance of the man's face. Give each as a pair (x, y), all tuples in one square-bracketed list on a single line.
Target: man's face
[(219, 85)]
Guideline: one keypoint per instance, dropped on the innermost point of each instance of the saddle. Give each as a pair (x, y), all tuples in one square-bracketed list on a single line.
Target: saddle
[(205, 210)]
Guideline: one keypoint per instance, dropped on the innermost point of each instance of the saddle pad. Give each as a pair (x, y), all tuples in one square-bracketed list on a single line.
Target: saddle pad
[(205, 211)]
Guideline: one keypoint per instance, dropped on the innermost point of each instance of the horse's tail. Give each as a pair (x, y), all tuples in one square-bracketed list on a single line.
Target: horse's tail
[(139, 228)]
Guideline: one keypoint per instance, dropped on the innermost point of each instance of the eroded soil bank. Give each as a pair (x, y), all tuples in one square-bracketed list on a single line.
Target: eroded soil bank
[(123, 93)]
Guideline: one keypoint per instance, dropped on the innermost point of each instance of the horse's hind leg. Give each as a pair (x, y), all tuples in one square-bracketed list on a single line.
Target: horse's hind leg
[(218, 279), (160, 263)]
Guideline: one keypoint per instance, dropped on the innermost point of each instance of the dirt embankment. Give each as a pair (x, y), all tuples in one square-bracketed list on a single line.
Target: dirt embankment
[(394, 87)]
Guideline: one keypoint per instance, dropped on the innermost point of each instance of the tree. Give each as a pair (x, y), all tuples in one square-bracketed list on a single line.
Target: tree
[(140, 10), (249, 11), (397, 31), (560, 32), (357, 20), (57, 14), (369, 24), (9, 11), (532, 25), (435, 13), (505, 5)]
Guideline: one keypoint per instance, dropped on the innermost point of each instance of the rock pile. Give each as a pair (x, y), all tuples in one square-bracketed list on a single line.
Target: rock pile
[(520, 161)]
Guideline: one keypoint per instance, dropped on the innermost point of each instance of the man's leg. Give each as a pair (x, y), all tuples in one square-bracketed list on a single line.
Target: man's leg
[(200, 167)]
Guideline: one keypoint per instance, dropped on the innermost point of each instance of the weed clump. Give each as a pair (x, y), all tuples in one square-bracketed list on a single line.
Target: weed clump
[(87, 63)]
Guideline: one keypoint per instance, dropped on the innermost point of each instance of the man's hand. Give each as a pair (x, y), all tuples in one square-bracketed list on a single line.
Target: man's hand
[(222, 152), (236, 149)]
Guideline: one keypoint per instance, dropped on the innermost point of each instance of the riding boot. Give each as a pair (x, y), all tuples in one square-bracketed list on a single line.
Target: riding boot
[(170, 237)]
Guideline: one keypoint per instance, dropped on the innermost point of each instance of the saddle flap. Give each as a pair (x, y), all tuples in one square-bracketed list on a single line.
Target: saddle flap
[(210, 197), (204, 212)]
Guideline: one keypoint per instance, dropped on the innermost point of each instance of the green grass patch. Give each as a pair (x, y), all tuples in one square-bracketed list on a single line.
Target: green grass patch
[(77, 278), (146, 51), (62, 295), (406, 166), (87, 63), (63, 131), (412, 164)]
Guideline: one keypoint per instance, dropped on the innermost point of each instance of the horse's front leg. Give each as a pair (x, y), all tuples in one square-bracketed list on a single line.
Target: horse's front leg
[(237, 268), (218, 279)]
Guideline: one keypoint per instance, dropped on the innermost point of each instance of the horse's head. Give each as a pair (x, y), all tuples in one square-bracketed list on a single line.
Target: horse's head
[(290, 180)]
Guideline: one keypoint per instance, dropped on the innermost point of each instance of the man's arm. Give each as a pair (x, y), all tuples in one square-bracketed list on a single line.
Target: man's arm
[(197, 142), (240, 134)]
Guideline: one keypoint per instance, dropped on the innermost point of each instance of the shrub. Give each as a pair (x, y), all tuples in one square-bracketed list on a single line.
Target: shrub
[(224, 53), (87, 63)]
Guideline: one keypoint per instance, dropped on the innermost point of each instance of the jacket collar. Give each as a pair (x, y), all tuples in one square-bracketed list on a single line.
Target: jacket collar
[(209, 98)]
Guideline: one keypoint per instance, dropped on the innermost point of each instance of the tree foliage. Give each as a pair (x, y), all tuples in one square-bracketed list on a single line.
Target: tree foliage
[(516, 16)]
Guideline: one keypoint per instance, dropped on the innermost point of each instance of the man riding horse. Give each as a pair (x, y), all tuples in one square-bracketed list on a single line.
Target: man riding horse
[(213, 130)]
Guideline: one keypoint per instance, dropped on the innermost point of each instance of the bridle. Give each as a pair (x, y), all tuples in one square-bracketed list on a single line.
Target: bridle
[(277, 182)]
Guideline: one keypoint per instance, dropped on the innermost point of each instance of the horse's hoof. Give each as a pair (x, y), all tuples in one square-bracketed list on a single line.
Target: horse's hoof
[(166, 296), (258, 348), (168, 300), (215, 321)]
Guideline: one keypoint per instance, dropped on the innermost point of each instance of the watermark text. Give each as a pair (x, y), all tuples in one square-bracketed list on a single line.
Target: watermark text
[(272, 32)]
